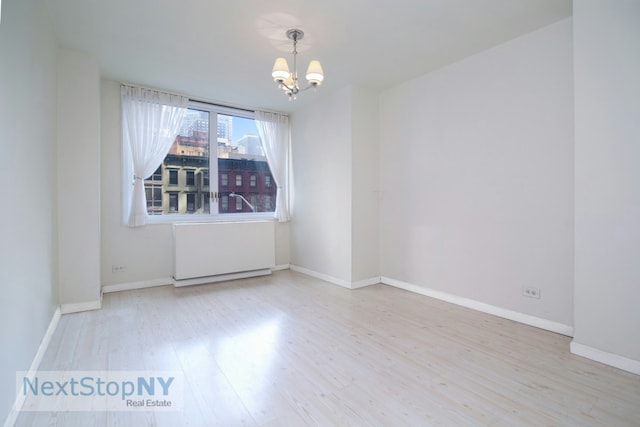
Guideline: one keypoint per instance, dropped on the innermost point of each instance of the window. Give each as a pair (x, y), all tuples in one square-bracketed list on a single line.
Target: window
[(267, 203), (191, 202), (173, 202), (153, 192), (173, 177), (191, 178), (267, 181), (201, 163)]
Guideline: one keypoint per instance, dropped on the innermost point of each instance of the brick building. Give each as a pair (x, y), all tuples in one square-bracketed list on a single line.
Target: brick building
[(182, 185)]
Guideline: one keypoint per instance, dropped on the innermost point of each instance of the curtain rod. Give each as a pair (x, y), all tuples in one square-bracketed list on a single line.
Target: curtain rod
[(221, 105), (215, 104), (249, 110)]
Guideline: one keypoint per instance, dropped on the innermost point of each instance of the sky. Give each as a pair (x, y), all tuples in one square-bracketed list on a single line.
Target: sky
[(242, 126)]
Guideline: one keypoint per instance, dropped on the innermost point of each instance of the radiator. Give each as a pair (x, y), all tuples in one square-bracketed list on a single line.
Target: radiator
[(220, 251)]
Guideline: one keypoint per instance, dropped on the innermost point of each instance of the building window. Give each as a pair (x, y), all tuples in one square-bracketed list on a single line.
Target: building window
[(191, 202), (153, 192), (267, 181), (254, 201), (267, 203), (154, 199), (191, 178), (216, 147), (173, 202), (173, 177)]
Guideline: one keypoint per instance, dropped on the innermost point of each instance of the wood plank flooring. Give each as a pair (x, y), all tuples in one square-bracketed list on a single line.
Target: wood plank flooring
[(290, 350)]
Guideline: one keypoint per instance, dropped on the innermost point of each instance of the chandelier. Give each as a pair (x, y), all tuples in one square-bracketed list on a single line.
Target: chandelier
[(288, 81)]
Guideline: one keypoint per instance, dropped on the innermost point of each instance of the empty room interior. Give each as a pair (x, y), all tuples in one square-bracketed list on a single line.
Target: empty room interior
[(321, 213)]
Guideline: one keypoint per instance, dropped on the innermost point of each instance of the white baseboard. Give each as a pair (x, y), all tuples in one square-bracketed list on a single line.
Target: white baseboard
[(137, 285), (335, 280), (164, 281), (483, 307), (81, 306), (280, 267), (35, 364), (610, 359), (365, 282), (221, 278)]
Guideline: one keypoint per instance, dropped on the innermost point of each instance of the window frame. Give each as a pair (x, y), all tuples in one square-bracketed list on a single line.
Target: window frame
[(173, 172), (231, 215)]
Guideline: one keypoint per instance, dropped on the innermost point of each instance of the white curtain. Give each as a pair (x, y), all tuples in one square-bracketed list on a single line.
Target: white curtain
[(274, 135), (150, 122)]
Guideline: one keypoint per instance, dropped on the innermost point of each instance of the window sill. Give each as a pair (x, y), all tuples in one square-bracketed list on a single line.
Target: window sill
[(230, 217)]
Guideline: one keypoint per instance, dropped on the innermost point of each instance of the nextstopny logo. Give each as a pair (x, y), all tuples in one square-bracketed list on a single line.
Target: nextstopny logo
[(100, 390)]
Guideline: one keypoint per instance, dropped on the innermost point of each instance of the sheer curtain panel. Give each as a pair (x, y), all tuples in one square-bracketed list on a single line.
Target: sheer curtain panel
[(274, 134), (150, 122)]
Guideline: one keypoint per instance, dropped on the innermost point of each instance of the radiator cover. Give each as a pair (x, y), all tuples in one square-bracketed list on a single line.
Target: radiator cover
[(213, 249)]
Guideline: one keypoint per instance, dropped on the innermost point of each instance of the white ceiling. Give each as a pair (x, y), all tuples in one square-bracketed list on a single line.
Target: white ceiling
[(223, 50)]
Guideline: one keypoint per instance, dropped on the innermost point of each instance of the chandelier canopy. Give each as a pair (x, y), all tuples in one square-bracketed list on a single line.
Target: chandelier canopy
[(288, 81)]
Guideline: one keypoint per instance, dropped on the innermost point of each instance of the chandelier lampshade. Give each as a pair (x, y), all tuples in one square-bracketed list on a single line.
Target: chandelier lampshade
[(314, 73), (286, 79), (280, 71)]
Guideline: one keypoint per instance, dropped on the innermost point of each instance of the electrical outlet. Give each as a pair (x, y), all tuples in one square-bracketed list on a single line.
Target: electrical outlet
[(531, 292), (118, 268)]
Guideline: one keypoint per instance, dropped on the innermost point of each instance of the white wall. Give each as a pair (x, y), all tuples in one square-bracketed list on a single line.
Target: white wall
[(477, 176), (607, 176), (321, 220), (147, 252), (78, 179), (335, 226), (365, 165), (28, 276)]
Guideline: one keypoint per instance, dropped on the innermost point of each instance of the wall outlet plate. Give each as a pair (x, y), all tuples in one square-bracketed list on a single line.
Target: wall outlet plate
[(118, 268), (531, 292)]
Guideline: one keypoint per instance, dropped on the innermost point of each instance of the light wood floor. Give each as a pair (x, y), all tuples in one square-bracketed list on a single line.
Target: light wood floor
[(290, 350)]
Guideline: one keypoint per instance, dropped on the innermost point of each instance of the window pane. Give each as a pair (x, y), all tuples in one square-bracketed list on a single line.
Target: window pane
[(191, 203), (185, 180), (173, 202), (240, 155), (187, 159)]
